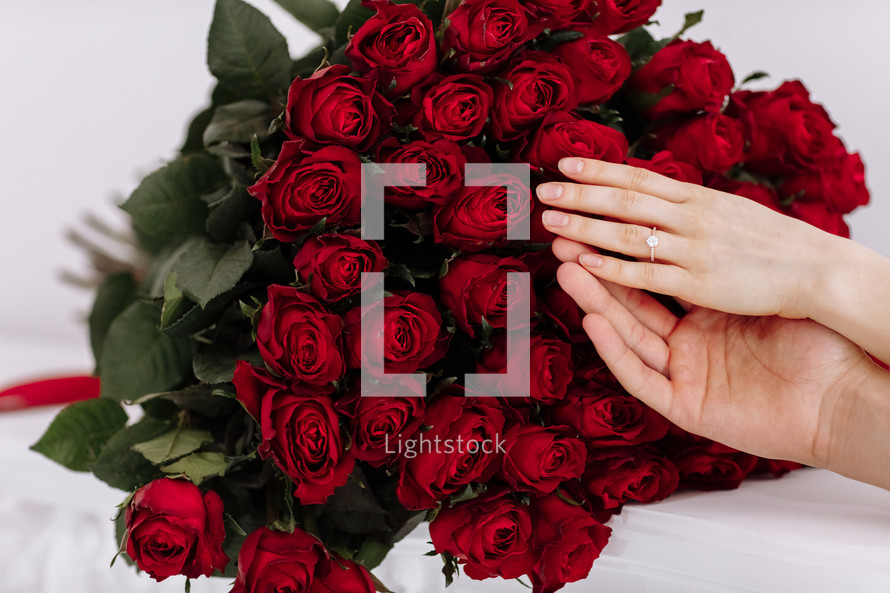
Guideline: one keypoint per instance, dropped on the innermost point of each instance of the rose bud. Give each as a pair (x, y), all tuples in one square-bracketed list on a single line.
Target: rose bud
[(460, 447), (306, 185), (695, 76), (839, 184), (713, 143), (609, 416), (475, 287), (451, 107), (533, 84), (173, 528), (549, 357), (396, 47), (663, 163), (298, 338), (539, 458), (475, 218), (334, 107), (598, 64), (563, 134), (338, 575), (568, 540), (616, 476), (706, 465), (332, 265), (413, 335), (301, 432), (278, 561), (786, 130), (483, 34), (620, 16), (444, 161), (491, 536), (380, 424)]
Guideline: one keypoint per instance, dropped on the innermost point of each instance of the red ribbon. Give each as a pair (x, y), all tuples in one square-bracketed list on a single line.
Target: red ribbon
[(49, 392)]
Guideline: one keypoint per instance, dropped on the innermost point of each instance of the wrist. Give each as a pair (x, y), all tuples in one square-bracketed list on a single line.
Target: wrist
[(858, 444), (825, 280)]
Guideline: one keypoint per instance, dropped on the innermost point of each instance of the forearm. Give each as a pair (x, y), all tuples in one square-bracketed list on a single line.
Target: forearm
[(860, 439), (850, 293)]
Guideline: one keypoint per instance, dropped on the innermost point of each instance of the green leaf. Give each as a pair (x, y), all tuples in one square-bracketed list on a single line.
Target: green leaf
[(246, 53), (238, 122), (76, 436), (138, 359), (167, 204), (198, 467), (227, 216), (259, 162), (353, 16), (315, 14), (121, 467), (113, 296), (372, 552), (209, 269), (194, 138), (172, 445), (690, 19), (755, 76), (200, 398)]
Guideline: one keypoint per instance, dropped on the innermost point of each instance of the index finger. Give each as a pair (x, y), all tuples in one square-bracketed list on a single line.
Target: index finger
[(626, 177)]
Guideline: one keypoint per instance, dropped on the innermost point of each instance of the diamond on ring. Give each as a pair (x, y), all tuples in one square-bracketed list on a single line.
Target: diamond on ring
[(652, 242)]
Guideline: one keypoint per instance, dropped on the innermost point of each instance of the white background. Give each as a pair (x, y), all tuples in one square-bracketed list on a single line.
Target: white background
[(97, 94)]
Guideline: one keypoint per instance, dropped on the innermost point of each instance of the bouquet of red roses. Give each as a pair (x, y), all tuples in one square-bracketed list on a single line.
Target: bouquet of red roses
[(405, 147)]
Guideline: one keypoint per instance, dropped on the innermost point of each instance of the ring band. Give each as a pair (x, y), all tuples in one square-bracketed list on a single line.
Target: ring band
[(652, 242)]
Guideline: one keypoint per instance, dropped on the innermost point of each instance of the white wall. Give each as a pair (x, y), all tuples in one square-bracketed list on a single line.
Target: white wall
[(95, 94)]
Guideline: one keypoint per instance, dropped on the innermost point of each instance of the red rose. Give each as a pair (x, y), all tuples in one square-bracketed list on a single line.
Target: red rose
[(475, 218), (491, 536), (396, 47), (598, 64), (706, 465), (332, 265), (564, 134), (839, 184), (460, 447), (609, 416), (444, 161), (786, 130), (818, 215), (550, 359), (381, 424), (452, 107), (559, 11), (301, 432), (762, 194), (568, 540), (695, 76), (475, 287), (172, 528), (776, 467), (616, 476), (564, 312), (620, 16), (278, 561), (305, 186), (663, 163), (482, 34), (298, 338), (333, 107), (540, 459), (533, 84), (413, 335), (338, 575), (713, 143)]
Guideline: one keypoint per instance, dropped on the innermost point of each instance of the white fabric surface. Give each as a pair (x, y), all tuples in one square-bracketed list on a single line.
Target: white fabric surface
[(811, 531)]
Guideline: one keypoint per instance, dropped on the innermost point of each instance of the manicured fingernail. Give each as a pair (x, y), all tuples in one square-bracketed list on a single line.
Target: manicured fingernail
[(554, 218), (550, 191), (589, 260), (571, 166)]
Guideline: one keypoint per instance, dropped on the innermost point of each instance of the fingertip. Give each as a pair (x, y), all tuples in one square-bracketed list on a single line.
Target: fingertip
[(571, 165), (569, 250)]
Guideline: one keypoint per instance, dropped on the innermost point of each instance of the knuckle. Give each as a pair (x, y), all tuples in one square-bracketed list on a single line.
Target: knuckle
[(649, 274), (637, 177), (629, 235), (627, 200)]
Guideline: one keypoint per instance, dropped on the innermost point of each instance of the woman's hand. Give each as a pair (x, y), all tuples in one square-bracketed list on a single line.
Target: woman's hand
[(718, 250), (774, 387)]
